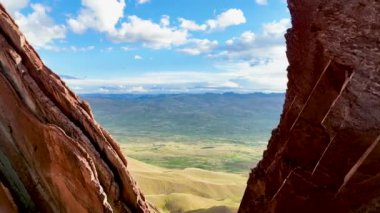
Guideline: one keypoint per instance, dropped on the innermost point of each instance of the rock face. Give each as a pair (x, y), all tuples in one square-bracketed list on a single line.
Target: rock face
[(323, 157), (53, 156), (325, 154)]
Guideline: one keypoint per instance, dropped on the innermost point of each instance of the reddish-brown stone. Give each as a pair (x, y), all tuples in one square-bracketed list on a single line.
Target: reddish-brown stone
[(325, 154), (323, 157)]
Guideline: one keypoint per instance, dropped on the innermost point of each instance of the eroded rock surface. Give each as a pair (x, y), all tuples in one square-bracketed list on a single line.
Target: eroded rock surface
[(53, 156), (323, 157), (325, 154)]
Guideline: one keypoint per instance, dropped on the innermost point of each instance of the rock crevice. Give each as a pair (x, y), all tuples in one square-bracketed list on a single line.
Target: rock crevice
[(323, 156)]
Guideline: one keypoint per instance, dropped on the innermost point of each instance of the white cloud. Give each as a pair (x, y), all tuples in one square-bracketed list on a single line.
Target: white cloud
[(165, 21), (142, 1), (258, 61), (81, 49), (107, 49), (237, 77), (262, 2), (228, 18), (191, 25), (276, 28), (70, 48), (150, 34), (246, 38), (101, 15), (127, 49), (38, 27), (258, 71), (138, 57), (199, 46), (138, 89), (14, 5), (246, 63), (249, 46)]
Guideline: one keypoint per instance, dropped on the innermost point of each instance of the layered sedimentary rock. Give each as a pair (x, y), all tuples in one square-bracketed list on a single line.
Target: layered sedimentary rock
[(53, 156), (323, 157), (325, 154)]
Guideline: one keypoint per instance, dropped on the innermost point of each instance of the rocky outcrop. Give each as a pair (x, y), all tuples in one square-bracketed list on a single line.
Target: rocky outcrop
[(323, 157), (325, 154), (54, 157)]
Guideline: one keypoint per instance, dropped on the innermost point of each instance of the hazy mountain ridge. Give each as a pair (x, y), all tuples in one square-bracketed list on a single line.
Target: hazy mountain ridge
[(229, 116)]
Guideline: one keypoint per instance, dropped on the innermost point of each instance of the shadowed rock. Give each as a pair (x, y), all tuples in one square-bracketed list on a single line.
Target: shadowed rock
[(325, 154), (323, 157)]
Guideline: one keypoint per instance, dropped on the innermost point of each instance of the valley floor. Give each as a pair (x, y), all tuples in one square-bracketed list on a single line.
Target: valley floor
[(221, 157), (183, 177), (189, 190)]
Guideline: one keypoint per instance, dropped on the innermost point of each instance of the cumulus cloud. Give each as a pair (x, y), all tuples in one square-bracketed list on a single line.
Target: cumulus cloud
[(38, 27), (228, 18), (245, 39), (14, 5), (247, 63), (104, 16), (101, 15), (262, 2), (162, 35), (191, 25), (276, 28), (249, 46), (165, 21), (258, 60), (199, 46), (150, 34), (258, 72)]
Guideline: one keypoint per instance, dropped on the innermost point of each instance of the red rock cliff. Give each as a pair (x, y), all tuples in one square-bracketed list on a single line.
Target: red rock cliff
[(323, 157), (325, 154), (54, 157)]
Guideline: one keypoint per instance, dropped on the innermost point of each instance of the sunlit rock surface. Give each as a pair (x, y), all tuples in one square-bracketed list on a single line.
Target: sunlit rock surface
[(53, 156), (323, 157), (325, 154)]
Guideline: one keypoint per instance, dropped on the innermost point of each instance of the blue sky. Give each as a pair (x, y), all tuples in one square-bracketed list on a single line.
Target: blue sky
[(159, 46)]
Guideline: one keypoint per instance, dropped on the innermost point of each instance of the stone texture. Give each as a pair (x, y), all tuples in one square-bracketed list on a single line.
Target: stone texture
[(54, 157), (323, 157), (325, 154)]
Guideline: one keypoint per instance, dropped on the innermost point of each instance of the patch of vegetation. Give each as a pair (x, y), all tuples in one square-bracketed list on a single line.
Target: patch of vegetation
[(224, 157)]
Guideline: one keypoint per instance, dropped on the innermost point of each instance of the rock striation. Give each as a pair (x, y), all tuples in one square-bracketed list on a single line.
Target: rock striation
[(54, 157), (324, 155)]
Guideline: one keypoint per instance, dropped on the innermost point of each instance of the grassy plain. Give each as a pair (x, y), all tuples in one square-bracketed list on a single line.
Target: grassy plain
[(188, 190), (226, 157)]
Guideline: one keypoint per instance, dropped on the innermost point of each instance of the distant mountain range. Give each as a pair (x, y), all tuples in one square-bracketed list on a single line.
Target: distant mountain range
[(231, 117)]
